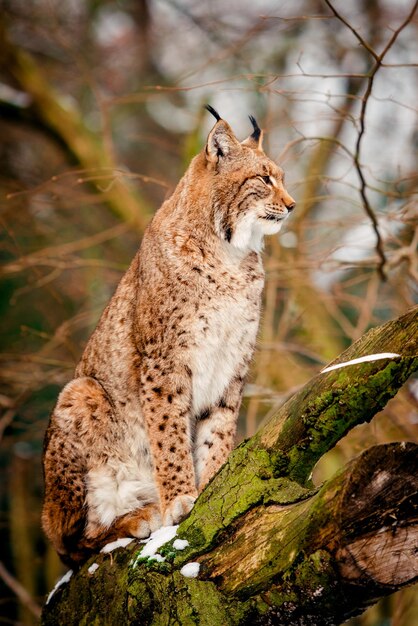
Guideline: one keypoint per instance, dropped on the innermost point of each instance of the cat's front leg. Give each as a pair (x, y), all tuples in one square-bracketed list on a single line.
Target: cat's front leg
[(166, 406), (215, 433)]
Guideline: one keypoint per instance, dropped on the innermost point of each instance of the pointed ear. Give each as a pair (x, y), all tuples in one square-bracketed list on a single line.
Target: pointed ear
[(255, 140), (221, 142)]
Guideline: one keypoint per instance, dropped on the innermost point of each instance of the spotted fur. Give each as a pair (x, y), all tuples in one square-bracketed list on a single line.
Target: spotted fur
[(151, 413)]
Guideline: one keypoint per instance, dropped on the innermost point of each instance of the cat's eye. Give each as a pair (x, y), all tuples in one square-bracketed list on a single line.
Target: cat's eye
[(266, 179)]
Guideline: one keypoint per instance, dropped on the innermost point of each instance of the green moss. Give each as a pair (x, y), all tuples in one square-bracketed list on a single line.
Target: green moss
[(156, 599), (193, 532), (274, 597), (167, 552), (280, 462), (319, 404), (240, 485), (247, 480), (328, 417), (205, 605), (300, 590), (313, 572), (98, 598)]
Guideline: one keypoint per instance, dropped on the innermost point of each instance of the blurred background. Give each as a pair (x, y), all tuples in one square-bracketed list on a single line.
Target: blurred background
[(101, 109)]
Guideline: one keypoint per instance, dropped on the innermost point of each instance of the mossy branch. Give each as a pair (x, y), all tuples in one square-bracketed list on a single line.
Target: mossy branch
[(331, 404), (271, 548)]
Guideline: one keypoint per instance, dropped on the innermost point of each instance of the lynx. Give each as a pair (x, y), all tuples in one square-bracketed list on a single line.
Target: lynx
[(151, 413)]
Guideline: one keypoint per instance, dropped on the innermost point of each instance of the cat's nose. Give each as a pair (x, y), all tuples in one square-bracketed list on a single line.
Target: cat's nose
[(290, 206)]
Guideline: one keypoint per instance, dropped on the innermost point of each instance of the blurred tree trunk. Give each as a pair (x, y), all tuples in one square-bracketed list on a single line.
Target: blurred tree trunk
[(21, 529), (66, 124), (405, 608), (271, 548)]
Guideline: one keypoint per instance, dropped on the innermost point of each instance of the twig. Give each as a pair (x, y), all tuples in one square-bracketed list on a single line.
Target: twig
[(8, 416), (365, 99), (20, 591), (65, 249), (353, 30), (5, 420)]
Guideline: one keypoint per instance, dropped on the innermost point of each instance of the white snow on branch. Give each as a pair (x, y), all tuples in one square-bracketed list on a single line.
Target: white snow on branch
[(93, 568), (119, 543), (190, 570), (362, 359), (157, 539), (180, 544), (61, 582)]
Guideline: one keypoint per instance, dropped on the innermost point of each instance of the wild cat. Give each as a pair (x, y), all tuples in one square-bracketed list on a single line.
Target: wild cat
[(151, 413)]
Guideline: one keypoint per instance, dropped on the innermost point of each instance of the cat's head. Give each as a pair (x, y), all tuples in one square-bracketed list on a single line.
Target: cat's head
[(249, 198)]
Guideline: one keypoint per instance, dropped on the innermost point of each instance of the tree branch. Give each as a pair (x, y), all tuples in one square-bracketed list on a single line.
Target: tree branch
[(356, 535), (378, 58), (18, 589)]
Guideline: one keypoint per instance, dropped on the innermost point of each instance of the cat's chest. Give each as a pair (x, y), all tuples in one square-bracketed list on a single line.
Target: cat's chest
[(225, 334)]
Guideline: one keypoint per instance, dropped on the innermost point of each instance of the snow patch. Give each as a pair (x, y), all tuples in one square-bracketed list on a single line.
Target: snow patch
[(362, 359), (93, 568), (190, 570), (157, 539), (61, 582), (119, 543), (180, 544)]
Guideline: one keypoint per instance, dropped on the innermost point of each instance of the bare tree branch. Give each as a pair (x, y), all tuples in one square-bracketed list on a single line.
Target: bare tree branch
[(20, 591), (365, 99)]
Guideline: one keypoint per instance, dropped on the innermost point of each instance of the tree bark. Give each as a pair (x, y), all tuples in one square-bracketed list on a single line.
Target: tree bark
[(272, 548)]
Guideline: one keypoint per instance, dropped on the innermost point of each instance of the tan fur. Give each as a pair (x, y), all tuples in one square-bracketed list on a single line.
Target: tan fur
[(151, 413)]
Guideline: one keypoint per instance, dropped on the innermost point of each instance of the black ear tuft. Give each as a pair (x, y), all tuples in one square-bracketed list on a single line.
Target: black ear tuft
[(212, 110), (257, 130)]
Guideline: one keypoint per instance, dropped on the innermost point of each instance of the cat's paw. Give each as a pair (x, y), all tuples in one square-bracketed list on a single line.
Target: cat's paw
[(178, 509), (147, 520)]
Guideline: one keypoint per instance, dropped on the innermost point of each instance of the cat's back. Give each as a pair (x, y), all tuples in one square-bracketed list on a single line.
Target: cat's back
[(109, 355)]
